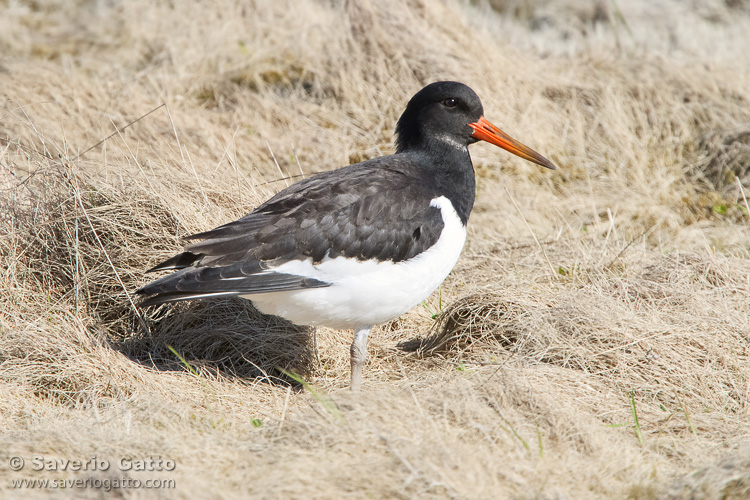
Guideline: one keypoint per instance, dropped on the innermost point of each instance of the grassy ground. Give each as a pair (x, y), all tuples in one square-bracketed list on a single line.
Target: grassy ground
[(592, 341)]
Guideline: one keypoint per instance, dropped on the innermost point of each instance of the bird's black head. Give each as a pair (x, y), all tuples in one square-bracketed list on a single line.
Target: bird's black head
[(450, 114), (440, 112)]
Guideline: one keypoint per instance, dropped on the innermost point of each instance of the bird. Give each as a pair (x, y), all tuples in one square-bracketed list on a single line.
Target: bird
[(357, 246)]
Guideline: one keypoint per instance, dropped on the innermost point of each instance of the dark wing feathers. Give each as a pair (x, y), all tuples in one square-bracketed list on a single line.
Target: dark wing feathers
[(364, 211), (179, 261), (238, 279)]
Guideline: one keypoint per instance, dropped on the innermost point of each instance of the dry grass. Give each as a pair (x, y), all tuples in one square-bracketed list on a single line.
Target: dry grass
[(633, 300)]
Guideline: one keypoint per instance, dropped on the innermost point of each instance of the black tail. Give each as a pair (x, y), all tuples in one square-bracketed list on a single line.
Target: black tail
[(242, 278)]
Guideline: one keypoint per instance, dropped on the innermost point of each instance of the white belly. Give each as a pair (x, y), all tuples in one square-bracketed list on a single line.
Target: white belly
[(365, 293)]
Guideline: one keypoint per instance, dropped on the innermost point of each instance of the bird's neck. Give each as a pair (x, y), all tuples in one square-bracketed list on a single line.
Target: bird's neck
[(451, 172)]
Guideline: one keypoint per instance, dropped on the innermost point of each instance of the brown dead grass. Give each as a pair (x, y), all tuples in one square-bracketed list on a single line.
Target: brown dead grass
[(615, 287)]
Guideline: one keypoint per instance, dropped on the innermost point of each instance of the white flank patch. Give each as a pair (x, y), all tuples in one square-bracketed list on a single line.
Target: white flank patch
[(365, 293)]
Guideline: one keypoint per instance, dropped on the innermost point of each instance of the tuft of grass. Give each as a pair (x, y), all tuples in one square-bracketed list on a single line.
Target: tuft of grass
[(328, 404), (184, 361), (683, 406), (636, 423), (435, 313)]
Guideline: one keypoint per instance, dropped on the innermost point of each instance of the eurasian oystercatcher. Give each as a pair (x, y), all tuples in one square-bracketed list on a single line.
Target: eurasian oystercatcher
[(357, 246)]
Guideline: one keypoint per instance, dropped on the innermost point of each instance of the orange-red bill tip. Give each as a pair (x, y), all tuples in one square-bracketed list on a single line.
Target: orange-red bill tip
[(486, 131)]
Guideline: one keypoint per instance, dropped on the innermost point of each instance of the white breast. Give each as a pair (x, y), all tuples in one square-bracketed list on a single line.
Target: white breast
[(364, 293)]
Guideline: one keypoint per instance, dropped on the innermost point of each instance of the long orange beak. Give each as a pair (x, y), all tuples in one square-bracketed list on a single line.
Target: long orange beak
[(485, 131)]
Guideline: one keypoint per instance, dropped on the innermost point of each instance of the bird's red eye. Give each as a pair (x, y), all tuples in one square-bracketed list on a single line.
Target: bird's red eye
[(449, 103)]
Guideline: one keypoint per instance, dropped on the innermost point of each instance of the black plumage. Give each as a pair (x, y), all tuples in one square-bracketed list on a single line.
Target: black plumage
[(350, 212)]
